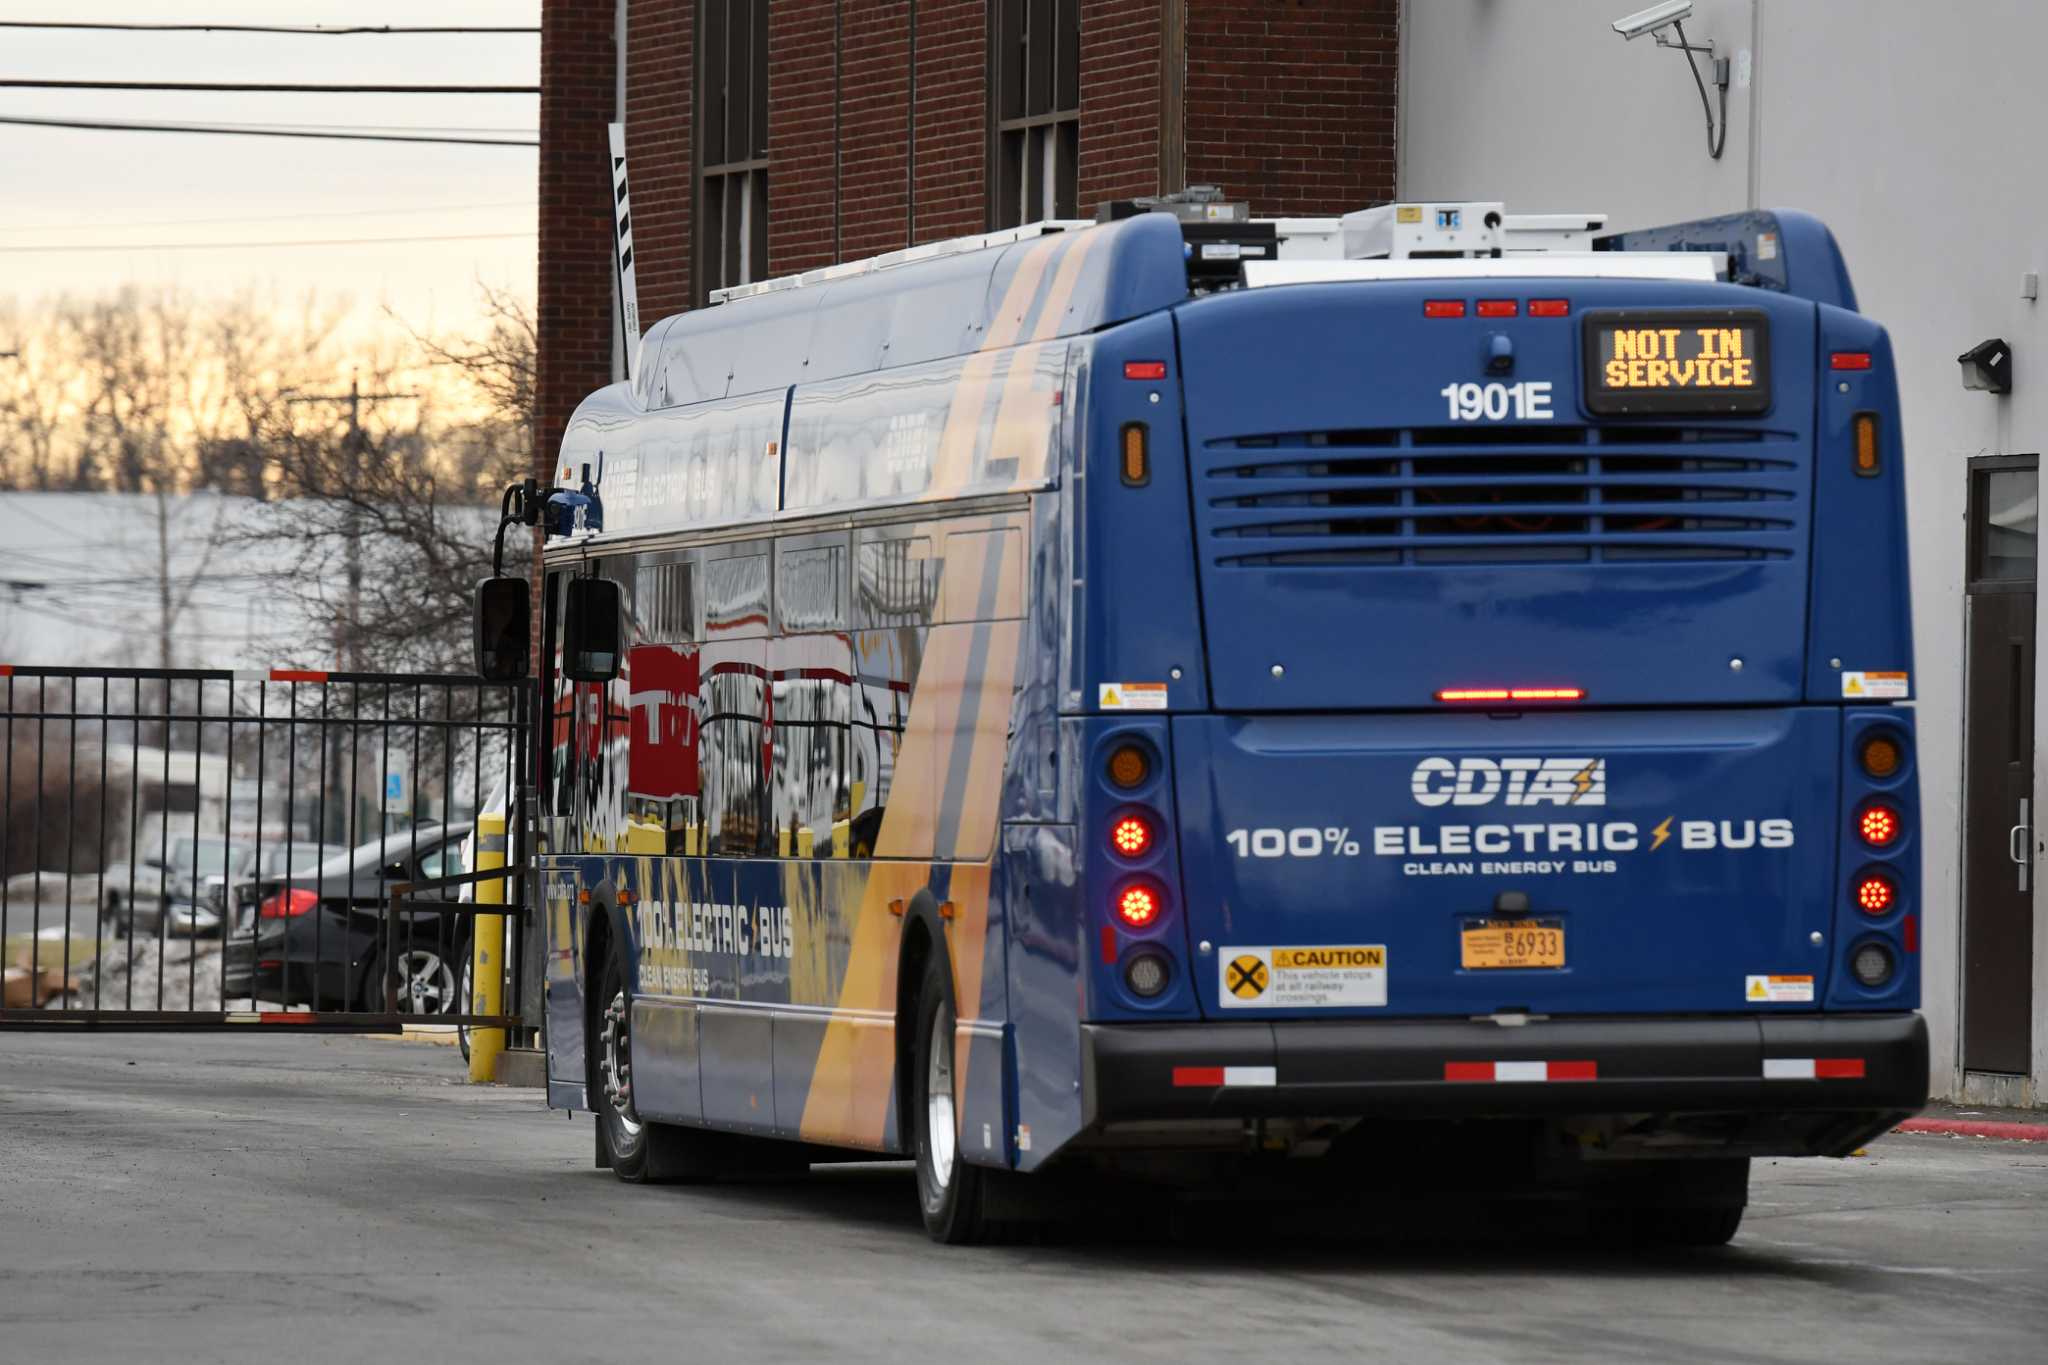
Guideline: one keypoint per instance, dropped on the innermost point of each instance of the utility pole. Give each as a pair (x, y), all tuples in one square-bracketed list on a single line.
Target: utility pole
[(348, 644)]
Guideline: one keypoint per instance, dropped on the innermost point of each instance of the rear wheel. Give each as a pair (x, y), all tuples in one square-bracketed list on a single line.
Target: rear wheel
[(1688, 1203), (962, 1204)]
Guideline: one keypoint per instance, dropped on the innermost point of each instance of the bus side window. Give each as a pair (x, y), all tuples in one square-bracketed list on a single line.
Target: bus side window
[(984, 578), (895, 601), (811, 661), (732, 708)]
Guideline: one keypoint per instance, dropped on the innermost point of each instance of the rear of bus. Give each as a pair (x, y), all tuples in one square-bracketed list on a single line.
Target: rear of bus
[(1493, 691)]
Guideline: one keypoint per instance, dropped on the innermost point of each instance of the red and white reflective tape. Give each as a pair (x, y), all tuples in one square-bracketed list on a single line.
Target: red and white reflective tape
[(273, 1017), (285, 675), (1521, 1071), (1813, 1068), (1210, 1076)]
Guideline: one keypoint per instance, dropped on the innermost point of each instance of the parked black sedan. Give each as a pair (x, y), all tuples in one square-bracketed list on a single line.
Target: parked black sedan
[(319, 938)]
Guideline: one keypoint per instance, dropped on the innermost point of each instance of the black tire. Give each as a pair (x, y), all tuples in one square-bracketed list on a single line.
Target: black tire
[(623, 1140), (1688, 1203), (1689, 1227), (641, 1151), (962, 1205)]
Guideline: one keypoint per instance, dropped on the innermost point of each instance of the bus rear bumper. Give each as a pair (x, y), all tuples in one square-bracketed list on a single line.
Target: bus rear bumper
[(1767, 1085)]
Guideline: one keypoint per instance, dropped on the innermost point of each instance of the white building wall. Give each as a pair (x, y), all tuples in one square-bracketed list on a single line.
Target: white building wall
[(1911, 129)]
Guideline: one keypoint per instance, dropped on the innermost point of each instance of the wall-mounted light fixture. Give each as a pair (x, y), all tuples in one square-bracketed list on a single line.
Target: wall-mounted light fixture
[(1987, 367), (1666, 24)]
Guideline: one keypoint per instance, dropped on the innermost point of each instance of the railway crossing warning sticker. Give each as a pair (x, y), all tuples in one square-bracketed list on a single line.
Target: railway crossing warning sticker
[(1303, 978)]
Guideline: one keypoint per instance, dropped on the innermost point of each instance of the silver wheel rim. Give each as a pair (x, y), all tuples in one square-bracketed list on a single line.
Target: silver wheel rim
[(425, 985), (941, 1131), (617, 1065)]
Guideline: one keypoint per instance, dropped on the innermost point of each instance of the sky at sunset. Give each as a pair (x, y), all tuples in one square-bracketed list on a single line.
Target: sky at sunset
[(85, 212)]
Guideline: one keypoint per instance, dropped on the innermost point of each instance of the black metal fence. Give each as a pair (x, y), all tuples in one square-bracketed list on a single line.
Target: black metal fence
[(189, 848)]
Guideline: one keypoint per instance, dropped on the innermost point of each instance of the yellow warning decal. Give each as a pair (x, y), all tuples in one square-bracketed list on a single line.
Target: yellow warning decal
[(1131, 696), (1408, 213), (1778, 990), (1866, 685), (1338, 976)]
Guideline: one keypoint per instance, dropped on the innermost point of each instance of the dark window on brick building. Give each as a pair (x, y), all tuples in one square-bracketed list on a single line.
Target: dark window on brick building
[(1034, 102), (732, 152)]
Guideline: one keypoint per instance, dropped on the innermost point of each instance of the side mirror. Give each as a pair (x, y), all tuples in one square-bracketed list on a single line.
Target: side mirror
[(503, 629), (590, 631)]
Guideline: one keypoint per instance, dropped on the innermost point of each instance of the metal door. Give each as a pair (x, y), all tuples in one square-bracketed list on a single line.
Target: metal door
[(1998, 743)]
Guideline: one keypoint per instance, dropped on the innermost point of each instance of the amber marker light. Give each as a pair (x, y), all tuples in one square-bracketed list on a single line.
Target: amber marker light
[(1128, 766), (1868, 465), (1880, 756)]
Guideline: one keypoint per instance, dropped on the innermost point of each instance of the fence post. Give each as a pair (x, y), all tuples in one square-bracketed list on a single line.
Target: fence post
[(487, 951)]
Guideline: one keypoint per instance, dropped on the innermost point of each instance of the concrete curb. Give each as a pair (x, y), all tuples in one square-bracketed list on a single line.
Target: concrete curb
[(2017, 1132)]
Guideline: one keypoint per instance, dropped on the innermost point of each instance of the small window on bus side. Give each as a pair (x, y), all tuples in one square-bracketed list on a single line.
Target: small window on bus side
[(810, 587), (896, 579), (984, 575), (665, 599)]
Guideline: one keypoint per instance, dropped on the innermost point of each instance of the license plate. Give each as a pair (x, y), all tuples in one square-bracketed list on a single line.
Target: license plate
[(1519, 943)]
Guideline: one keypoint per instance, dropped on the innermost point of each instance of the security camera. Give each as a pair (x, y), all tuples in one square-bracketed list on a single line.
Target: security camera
[(1653, 19)]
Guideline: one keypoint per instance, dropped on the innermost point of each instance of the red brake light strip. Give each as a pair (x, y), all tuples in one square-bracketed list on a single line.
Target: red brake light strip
[(1511, 694)]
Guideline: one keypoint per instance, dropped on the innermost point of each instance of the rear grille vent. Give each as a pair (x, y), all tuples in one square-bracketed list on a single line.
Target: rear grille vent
[(1534, 495)]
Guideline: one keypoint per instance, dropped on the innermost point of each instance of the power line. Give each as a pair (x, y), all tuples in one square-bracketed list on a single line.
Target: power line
[(236, 130), (268, 87), (52, 247), (299, 30), (274, 217)]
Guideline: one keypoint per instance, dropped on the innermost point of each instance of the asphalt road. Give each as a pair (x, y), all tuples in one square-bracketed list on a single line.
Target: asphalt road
[(307, 1199)]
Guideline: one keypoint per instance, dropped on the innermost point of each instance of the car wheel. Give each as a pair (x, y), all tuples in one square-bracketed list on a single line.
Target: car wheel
[(424, 979)]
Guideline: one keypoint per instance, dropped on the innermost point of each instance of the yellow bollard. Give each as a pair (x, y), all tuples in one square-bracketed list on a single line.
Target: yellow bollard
[(487, 953)]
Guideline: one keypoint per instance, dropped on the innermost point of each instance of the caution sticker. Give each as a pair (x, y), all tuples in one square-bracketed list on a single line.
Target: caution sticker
[(1876, 686), (1303, 978), (1128, 696), (1778, 990)]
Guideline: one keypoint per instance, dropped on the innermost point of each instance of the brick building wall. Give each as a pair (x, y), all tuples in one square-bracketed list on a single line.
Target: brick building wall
[(878, 133), (1290, 104), (573, 304), (660, 47)]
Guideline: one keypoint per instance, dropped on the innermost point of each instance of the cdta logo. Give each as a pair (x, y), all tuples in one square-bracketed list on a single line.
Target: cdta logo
[(1510, 781)]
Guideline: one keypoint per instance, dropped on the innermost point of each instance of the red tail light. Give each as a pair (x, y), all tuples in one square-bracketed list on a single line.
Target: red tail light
[(1131, 836), (1498, 308), (1144, 369), (1849, 360), (287, 904), (1549, 308), (1875, 893), (1879, 825), (1443, 308), (1138, 905)]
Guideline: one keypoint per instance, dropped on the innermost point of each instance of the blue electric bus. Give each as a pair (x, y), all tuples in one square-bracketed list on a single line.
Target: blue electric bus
[(1127, 698)]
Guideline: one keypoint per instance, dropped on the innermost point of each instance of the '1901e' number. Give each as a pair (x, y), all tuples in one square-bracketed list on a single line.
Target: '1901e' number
[(1528, 401)]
